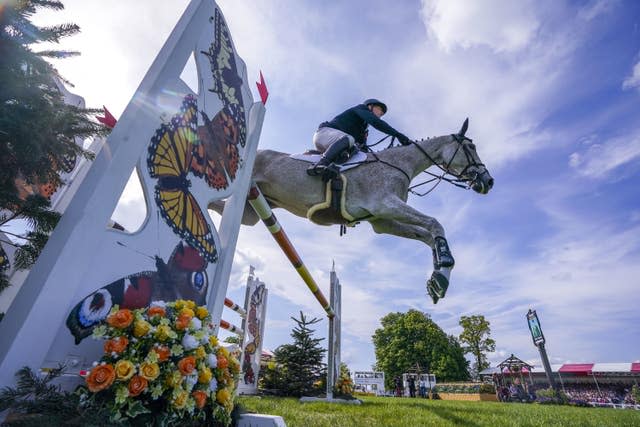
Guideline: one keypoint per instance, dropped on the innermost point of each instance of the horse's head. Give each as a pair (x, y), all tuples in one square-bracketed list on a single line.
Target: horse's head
[(462, 160)]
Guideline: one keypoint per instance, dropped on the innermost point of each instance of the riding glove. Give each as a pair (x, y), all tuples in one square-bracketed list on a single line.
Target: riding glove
[(403, 139)]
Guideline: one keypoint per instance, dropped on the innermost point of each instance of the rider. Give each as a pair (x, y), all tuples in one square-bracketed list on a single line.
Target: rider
[(339, 136)]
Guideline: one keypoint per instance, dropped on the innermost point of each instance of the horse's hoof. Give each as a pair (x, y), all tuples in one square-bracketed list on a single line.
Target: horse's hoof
[(437, 286)]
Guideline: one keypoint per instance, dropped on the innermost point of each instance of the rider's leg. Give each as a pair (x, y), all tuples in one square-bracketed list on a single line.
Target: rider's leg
[(329, 156)]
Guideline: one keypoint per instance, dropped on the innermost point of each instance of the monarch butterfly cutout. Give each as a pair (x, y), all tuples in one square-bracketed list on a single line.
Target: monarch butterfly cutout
[(169, 160), (226, 80), (183, 277), (215, 154)]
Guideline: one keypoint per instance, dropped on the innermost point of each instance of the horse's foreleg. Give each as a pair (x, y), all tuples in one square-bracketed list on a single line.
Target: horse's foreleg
[(400, 219)]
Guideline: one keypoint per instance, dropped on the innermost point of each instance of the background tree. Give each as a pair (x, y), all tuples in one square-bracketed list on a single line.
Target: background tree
[(37, 129), (233, 339), (412, 337), (476, 337), (301, 362)]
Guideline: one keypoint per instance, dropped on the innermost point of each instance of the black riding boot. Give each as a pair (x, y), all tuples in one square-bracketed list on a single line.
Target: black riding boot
[(329, 156)]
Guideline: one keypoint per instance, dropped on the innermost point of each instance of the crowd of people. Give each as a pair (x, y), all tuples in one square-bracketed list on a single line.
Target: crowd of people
[(602, 394)]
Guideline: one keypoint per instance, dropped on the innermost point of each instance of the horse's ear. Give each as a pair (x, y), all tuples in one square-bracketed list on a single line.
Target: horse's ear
[(464, 128)]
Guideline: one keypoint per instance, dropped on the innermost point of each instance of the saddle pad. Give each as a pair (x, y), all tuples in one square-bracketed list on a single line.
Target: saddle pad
[(355, 160)]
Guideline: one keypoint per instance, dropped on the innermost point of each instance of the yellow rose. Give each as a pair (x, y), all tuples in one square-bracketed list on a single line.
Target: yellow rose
[(213, 341), (204, 376), (223, 352), (180, 304), (180, 399), (163, 332), (124, 370), (223, 396), (190, 304), (202, 312), (174, 379), (141, 328), (149, 371), (200, 353), (187, 312)]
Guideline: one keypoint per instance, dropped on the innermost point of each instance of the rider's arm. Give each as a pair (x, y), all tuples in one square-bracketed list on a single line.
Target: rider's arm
[(374, 121)]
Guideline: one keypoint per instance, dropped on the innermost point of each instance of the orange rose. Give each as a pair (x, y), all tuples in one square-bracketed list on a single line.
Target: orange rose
[(182, 322), (137, 385), (222, 362), (120, 319), (156, 311), (187, 365), (101, 377), (163, 353), (200, 397), (118, 345)]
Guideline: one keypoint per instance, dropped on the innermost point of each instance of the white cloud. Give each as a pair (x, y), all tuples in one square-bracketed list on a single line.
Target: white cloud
[(502, 25), (599, 160), (633, 81)]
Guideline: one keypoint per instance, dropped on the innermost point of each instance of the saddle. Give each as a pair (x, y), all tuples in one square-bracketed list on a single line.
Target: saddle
[(332, 210)]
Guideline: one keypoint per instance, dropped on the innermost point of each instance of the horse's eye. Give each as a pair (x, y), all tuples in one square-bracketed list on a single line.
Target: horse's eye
[(199, 280), (472, 146)]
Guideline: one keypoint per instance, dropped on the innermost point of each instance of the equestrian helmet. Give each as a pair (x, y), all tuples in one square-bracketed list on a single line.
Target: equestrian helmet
[(373, 101)]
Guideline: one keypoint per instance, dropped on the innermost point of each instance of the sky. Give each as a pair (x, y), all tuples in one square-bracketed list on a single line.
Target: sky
[(552, 91)]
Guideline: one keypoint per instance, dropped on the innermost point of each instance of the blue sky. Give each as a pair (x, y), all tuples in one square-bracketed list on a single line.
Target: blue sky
[(552, 90)]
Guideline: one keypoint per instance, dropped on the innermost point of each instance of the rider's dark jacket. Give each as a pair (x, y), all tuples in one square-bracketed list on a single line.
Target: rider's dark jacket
[(354, 121)]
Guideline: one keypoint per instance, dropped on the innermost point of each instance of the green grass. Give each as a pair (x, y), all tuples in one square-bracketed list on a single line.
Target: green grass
[(387, 411)]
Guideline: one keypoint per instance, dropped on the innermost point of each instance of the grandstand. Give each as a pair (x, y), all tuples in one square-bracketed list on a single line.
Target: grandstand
[(594, 384)]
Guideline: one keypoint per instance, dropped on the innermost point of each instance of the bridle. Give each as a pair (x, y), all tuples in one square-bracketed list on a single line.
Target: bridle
[(461, 179)]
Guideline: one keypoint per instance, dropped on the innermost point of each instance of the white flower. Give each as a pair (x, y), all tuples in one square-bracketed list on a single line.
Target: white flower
[(204, 339), (190, 381), (213, 385), (158, 304), (195, 323), (212, 361), (189, 342)]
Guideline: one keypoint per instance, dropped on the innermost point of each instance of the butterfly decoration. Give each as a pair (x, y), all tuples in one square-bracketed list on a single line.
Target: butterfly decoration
[(183, 277), (215, 154), (227, 83), (170, 159), (253, 326), (4, 260)]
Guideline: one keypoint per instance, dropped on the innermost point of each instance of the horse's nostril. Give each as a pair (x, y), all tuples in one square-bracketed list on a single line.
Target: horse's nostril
[(490, 183)]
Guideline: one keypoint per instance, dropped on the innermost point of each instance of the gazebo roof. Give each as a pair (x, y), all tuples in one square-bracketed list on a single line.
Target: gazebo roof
[(513, 364)]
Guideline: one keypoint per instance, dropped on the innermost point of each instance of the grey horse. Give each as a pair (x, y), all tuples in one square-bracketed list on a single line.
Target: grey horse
[(375, 191)]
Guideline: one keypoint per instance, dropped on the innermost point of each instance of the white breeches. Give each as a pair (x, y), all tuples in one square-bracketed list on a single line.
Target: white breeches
[(326, 136)]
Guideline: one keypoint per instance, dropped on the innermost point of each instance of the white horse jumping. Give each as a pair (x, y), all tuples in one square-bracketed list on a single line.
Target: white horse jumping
[(376, 192)]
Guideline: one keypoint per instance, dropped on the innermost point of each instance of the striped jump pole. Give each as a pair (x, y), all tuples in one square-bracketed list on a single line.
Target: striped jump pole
[(262, 208), (235, 307), (231, 328)]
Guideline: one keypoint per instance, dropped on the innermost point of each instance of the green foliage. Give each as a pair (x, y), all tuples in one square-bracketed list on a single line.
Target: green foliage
[(635, 392), (38, 130), (411, 338), (300, 364), (476, 338), (468, 388), (550, 395), (344, 383), (233, 339)]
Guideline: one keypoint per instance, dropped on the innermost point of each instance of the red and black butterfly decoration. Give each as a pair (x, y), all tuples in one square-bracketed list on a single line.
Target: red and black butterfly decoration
[(183, 277), (253, 326)]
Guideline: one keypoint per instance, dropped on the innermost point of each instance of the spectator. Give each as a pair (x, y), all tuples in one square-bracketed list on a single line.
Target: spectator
[(423, 388), (412, 387)]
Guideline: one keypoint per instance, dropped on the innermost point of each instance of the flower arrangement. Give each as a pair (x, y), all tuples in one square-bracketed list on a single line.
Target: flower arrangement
[(163, 361)]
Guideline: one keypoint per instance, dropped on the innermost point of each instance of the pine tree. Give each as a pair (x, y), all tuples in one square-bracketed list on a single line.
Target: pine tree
[(301, 362), (37, 129)]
